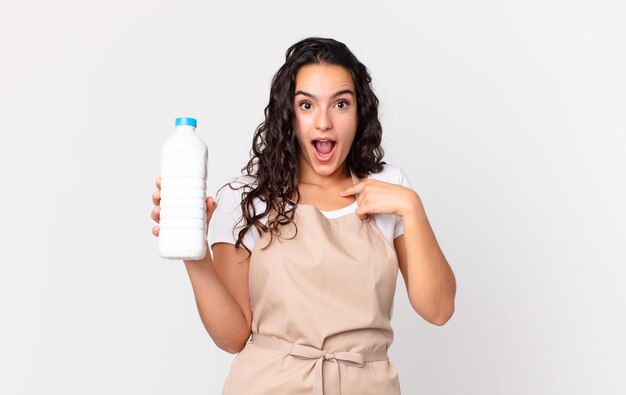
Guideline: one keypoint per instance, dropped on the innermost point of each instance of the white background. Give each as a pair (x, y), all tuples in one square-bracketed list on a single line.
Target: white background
[(507, 117)]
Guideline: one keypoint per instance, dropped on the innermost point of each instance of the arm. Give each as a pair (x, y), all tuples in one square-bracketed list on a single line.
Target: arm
[(430, 283), (429, 280), (220, 287), (221, 296)]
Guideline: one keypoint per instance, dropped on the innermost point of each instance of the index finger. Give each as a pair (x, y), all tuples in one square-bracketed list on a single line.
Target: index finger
[(158, 182), (356, 188)]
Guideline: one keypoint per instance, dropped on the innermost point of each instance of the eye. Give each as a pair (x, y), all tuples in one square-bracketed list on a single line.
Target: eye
[(342, 104), (305, 105)]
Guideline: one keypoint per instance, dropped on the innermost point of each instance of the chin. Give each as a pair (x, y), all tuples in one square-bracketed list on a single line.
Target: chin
[(325, 169)]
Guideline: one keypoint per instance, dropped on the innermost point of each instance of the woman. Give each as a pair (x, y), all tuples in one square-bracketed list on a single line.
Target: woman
[(307, 245)]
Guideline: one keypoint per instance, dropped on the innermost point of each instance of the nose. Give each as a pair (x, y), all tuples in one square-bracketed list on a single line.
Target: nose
[(323, 121)]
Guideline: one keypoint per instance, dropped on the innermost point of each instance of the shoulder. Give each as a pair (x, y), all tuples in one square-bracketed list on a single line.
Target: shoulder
[(227, 219), (233, 189), (390, 173), (241, 182), (231, 194)]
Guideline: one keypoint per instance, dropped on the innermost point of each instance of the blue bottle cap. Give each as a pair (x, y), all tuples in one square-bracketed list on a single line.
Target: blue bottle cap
[(186, 121)]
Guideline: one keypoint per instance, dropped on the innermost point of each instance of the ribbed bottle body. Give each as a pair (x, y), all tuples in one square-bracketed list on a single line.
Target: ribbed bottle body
[(184, 160)]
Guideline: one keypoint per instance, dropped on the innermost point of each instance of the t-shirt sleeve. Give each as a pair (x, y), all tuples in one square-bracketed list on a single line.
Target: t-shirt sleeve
[(227, 219), (225, 216), (399, 227)]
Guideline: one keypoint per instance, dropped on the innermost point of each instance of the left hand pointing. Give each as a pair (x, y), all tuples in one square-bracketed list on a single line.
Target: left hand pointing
[(379, 197)]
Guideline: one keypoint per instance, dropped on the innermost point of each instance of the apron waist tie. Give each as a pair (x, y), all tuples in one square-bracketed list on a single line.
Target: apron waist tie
[(308, 352)]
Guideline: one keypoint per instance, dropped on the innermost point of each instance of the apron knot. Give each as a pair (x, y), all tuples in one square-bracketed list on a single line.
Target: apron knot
[(355, 359)]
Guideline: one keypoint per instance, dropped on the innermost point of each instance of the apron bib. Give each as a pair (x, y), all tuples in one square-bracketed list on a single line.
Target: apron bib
[(322, 303)]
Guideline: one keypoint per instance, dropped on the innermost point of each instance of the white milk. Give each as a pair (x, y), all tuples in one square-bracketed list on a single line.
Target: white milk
[(184, 158)]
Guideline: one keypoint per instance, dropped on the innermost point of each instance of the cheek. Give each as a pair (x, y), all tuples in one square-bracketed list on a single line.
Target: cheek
[(348, 127), (300, 133), (302, 123), (301, 128)]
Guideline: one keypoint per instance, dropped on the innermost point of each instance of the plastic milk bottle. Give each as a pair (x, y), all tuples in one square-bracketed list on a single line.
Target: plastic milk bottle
[(184, 158)]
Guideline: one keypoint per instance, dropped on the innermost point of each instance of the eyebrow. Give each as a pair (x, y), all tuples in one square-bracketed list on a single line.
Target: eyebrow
[(312, 96)]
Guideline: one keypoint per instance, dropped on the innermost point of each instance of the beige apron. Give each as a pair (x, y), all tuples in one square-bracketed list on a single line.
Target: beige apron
[(321, 307)]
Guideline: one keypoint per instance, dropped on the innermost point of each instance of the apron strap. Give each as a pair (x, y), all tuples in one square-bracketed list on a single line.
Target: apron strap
[(355, 180)]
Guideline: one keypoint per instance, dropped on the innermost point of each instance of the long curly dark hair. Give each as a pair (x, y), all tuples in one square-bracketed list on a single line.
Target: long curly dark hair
[(274, 153)]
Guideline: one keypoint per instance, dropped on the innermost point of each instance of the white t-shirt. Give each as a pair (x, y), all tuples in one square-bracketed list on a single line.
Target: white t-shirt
[(224, 227)]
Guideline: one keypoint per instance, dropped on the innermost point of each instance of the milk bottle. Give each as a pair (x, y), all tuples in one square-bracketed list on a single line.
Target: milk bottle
[(184, 158)]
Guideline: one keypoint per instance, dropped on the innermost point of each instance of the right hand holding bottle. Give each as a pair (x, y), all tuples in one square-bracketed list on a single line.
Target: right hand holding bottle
[(156, 211)]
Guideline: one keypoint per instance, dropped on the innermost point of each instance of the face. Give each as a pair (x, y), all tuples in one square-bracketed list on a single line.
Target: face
[(325, 120)]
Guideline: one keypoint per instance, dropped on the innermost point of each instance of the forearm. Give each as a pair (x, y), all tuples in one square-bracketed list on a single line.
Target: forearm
[(221, 315), (432, 286)]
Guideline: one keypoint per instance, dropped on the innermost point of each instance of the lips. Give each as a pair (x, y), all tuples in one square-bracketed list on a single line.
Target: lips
[(323, 148)]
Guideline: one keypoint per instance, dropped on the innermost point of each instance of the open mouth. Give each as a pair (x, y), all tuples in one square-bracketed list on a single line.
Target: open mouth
[(324, 149)]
